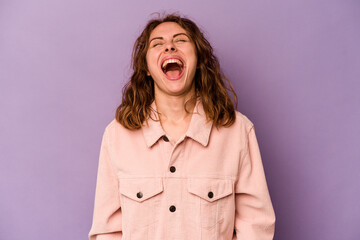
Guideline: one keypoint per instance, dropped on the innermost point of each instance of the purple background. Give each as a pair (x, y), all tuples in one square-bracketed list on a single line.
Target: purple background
[(295, 66)]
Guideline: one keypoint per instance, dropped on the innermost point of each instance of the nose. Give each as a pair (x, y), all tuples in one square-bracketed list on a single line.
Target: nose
[(167, 49), (170, 47)]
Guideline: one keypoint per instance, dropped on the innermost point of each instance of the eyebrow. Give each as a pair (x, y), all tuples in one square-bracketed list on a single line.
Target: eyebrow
[(175, 35)]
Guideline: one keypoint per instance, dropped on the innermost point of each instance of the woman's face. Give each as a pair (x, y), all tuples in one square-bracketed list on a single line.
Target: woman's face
[(171, 60)]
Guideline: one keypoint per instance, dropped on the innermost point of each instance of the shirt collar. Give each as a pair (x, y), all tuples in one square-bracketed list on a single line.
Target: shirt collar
[(199, 130)]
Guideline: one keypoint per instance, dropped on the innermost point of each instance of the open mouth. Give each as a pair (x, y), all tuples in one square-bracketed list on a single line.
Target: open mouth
[(173, 68)]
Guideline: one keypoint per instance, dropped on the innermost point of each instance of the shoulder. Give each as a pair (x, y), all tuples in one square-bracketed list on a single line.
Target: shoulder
[(238, 131), (243, 122), (113, 124), (114, 129)]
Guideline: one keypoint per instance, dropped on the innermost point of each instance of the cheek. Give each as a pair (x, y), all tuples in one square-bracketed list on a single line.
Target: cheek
[(194, 61), (148, 60), (151, 61), (193, 55)]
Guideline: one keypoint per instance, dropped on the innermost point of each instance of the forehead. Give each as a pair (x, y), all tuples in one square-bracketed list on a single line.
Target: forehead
[(167, 29)]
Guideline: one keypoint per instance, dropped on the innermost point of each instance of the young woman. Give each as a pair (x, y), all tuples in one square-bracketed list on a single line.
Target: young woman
[(178, 161)]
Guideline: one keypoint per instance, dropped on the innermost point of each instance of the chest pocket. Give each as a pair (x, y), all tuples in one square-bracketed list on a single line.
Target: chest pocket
[(140, 201), (215, 197)]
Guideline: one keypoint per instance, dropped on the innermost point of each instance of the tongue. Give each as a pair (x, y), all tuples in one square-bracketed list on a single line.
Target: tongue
[(173, 71), (173, 74)]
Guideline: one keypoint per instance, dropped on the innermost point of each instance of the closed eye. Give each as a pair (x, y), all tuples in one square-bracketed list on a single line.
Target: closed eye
[(156, 44)]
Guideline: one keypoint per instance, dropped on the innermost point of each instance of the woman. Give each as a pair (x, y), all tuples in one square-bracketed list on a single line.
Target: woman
[(178, 161)]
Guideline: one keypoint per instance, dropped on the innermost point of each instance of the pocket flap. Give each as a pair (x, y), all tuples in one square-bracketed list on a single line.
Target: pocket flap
[(210, 189), (140, 189)]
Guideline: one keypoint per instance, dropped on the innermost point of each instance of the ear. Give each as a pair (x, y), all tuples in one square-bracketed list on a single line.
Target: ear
[(147, 73)]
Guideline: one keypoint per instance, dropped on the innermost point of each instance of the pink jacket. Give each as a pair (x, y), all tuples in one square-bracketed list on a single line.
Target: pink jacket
[(208, 185)]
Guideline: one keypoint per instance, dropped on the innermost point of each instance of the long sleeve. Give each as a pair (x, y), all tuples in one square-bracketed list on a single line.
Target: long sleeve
[(107, 217), (254, 214)]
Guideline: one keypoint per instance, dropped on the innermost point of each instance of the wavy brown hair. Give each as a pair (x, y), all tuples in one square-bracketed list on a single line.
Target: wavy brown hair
[(138, 93)]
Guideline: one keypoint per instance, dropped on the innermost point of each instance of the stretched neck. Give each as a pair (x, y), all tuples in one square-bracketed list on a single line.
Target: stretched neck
[(171, 108)]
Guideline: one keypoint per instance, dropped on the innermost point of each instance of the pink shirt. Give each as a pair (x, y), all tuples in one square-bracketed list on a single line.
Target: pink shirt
[(208, 185)]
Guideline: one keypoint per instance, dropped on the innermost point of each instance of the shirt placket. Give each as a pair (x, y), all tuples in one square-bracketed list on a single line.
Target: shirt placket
[(174, 184)]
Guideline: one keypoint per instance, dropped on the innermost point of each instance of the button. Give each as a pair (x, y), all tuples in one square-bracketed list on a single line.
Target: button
[(165, 138), (139, 195), (210, 194), (172, 169), (172, 208)]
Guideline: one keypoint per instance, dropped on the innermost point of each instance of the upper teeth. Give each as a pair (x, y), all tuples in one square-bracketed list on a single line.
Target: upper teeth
[(172, 60)]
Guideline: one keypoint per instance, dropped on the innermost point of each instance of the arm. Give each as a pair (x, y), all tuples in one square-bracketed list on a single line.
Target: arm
[(254, 214), (107, 222)]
